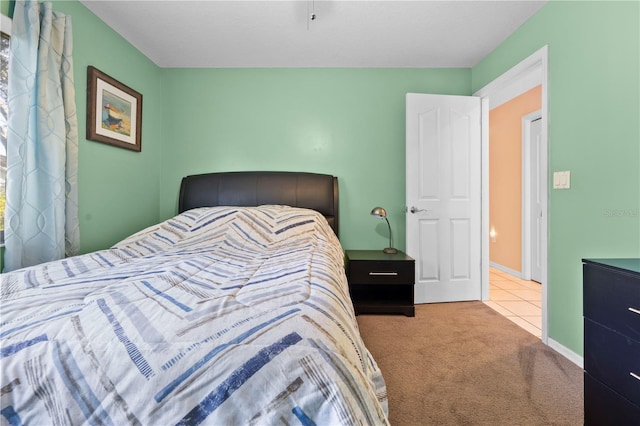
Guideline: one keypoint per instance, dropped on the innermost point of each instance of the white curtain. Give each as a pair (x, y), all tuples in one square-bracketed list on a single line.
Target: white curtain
[(41, 216)]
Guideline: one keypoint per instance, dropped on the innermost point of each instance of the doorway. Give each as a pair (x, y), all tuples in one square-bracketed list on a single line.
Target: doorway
[(514, 210), (529, 73)]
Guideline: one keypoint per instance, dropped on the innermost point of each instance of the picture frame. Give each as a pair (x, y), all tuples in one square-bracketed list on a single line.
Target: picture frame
[(114, 111)]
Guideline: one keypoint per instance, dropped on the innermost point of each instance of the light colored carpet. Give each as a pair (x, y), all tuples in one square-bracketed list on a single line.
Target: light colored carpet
[(464, 364)]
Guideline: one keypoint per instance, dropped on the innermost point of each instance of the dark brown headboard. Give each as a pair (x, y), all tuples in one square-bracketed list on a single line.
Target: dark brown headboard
[(248, 189)]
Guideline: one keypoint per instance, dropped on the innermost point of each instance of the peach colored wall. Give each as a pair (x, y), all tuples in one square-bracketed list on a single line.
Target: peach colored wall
[(505, 177)]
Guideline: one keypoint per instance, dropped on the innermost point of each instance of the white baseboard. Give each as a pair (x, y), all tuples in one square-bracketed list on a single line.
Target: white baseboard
[(566, 352), (509, 271)]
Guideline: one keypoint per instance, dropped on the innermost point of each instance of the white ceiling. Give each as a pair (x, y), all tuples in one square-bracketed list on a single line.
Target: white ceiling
[(362, 33)]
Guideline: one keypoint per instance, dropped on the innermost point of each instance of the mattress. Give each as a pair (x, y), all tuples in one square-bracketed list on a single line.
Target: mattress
[(219, 316)]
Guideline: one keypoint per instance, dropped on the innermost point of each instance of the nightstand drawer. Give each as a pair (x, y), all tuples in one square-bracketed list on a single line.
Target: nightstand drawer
[(378, 272)]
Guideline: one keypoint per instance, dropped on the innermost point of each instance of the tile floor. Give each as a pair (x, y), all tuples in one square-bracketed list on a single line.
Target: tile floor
[(518, 300)]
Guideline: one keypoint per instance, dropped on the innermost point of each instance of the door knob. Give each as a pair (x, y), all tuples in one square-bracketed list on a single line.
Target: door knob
[(414, 210)]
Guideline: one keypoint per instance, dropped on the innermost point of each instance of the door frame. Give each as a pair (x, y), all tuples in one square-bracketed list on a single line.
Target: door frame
[(527, 175), (529, 73)]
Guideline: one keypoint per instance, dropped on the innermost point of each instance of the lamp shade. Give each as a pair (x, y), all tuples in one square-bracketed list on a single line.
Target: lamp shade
[(379, 212)]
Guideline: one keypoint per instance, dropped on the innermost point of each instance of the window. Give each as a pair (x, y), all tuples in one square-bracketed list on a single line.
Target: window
[(4, 110)]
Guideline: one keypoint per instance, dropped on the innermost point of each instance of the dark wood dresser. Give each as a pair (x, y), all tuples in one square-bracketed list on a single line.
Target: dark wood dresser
[(611, 309)]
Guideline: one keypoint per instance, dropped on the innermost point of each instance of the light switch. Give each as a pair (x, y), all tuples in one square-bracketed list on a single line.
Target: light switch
[(562, 180)]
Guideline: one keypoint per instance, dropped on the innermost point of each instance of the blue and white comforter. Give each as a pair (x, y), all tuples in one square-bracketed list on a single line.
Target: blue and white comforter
[(219, 316)]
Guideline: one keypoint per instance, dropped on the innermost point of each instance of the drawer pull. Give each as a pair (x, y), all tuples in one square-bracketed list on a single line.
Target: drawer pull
[(634, 375), (383, 273), (635, 311)]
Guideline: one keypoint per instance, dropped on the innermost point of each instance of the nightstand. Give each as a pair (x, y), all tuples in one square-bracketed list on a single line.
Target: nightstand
[(381, 283)]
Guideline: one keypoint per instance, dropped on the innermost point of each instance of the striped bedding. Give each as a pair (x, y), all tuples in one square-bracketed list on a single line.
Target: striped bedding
[(218, 316)]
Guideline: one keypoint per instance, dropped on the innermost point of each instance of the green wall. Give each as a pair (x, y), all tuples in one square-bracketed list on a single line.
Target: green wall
[(594, 131), (345, 122)]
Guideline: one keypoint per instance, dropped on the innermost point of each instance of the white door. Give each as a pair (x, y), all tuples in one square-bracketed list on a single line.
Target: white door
[(443, 185), (535, 137)]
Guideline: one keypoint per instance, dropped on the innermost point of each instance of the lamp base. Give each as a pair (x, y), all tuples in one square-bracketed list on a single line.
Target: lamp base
[(390, 250)]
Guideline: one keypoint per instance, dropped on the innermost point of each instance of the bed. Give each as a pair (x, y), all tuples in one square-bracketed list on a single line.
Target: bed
[(235, 311)]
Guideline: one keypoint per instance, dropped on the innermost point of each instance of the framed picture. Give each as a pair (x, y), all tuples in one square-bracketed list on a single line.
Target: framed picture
[(114, 112)]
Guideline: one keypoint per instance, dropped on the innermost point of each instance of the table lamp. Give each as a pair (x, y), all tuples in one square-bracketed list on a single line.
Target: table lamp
[(382, 213)]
